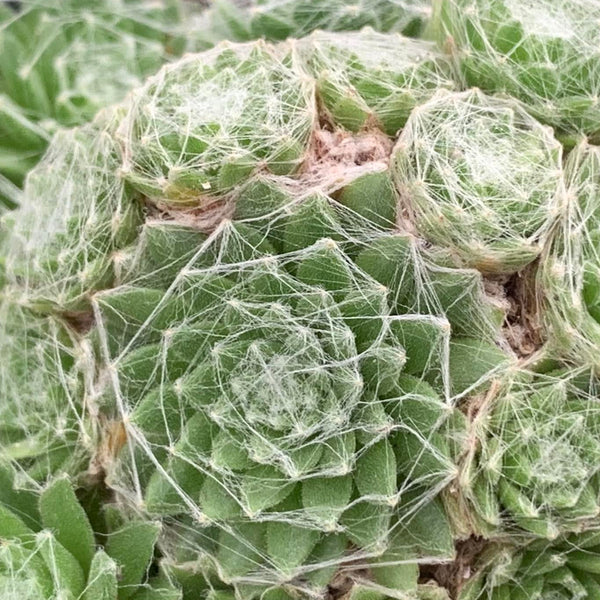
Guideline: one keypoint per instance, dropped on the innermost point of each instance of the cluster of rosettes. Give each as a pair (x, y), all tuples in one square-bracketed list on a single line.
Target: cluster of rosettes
[(284, 335)]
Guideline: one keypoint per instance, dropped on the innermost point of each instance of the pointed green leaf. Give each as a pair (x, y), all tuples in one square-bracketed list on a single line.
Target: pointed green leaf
[(367, 524), (390, 261), (288, 545), (102, 580), (324, 266), (584, 560), (325, 498), (263, 487), (228, 451), (473, 360), (63, 566), (376, 471), (312, 220), (362, 592), (329, 551), (132, 548), (218, 502), (22, 502), (400, 576), (372, 196), (62, 513), (426, 531), (241, 551), (13, 528)]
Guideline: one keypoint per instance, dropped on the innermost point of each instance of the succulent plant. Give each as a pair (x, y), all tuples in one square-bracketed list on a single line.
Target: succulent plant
[(274, 345), (566, 569), (537, 463), (272, 412), (543, 53), (59, 268), (569, 276), (279, 19), (202, 127), (40, 420), (62, 61), (367, 77), (481, 176), (49, 551)]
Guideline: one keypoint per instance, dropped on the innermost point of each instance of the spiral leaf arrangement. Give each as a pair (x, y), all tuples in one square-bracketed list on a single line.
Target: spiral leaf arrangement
[(299, 322)]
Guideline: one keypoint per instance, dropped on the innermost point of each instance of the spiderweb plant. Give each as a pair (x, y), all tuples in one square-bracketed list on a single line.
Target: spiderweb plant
[(181, 144), (480, 176), (274, 348), (564, 569), (545, 54), (41, 410), (569, 276), (366, 78), (276, 20), (537, 463), (64, 60), (285, 423)]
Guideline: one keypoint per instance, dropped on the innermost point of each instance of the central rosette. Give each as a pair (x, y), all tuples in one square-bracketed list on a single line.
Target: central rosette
[(288, 377), (273, 378), (288, 372)]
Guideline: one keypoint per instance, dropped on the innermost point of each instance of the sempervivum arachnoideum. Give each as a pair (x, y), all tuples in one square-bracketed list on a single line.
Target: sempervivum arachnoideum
[(286, 364), (569, 276), (62, 61), (40, 420), (281, 19), (482, 177), (278, 400), (66, 250), (546, 55), (204, 126), (536, 465), (367, 79), (566, 569)]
